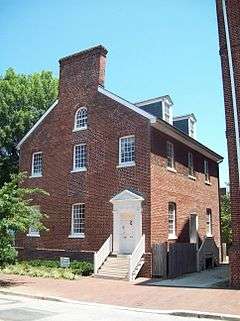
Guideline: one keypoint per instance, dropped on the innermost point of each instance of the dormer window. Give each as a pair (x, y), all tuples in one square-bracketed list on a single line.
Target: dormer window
[(80, 119), (186, 124), (167, 112), (191, 128)]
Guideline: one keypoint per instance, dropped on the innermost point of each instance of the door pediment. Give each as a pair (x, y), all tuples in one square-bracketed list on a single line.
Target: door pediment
[(126, 195)]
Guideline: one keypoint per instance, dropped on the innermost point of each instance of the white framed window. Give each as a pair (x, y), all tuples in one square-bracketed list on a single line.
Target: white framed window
[(80, 121), (167, 113), (209, 222), (37, 164), (190, 165), (206, 171), (80, 158), (78, 220), (172, 220), (127, 151), (170, 155)]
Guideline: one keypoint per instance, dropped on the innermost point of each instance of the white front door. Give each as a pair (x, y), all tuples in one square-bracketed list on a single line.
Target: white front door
[(126, 235)]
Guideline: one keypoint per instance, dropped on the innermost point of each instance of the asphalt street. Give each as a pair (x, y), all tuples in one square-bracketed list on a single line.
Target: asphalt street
[(17, 308)]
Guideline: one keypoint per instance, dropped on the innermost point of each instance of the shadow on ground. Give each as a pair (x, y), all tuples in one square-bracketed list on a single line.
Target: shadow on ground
[(217, 278), (9, 282)]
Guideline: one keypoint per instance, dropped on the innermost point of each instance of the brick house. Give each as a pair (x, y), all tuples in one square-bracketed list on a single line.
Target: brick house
[(228, 14), (121, 176)]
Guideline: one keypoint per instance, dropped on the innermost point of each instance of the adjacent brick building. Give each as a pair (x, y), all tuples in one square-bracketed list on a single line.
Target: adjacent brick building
[(116, 168), (228, 14)]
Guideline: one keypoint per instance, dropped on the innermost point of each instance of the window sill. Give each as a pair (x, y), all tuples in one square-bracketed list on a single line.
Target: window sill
[(36, 176), (83, 169), (33, 235), (192, 177), (208, 183), (76, 236), (171, 169), (79, 129), (126, 165), (172, 237), (209, 235)]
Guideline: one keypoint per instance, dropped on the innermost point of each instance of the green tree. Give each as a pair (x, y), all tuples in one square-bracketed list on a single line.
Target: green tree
[(16, 215), (226, 219), (23, 99)]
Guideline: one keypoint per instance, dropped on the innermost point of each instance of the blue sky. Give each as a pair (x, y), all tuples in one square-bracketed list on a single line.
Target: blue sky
[(156, 47)]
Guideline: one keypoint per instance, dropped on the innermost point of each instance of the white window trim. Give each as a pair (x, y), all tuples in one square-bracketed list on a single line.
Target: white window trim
[(125, 164), (78, 169), (171, 168), (166, 104), (193, 178), (209, 233), (36, 174), (206, 166), (190, 120), (189, 175), (76, 129), (33, 234), (75, 235), (173, 236)]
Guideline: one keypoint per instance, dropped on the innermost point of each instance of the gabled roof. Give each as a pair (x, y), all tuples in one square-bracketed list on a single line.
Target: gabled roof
[(180, 117), (37, 124), (155, 100)]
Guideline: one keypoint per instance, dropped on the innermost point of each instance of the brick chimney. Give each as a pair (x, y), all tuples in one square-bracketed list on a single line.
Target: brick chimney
[(81, 73)]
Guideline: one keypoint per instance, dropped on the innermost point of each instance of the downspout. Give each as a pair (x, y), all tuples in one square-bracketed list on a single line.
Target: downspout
[(233, 88)]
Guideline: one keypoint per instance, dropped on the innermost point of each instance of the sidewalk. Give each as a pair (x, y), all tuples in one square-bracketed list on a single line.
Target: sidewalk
[(122, 293)]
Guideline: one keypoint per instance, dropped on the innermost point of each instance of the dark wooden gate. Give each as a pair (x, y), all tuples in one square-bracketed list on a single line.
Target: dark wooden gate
[(182, 258), (159, 252)]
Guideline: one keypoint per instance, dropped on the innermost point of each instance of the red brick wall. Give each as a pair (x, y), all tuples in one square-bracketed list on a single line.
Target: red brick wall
[(190, 196), (107, 122), (233, 15)]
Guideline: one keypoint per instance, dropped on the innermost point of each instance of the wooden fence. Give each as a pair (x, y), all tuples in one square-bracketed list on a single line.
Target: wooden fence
[(159, 252), (182, 258), (178, 259)]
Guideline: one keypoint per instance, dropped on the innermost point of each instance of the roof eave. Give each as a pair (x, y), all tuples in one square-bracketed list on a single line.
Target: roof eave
[(187, 140), (36, 124)]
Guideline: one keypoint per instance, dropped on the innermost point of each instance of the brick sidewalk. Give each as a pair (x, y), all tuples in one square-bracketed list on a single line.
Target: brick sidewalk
[(126, 294)]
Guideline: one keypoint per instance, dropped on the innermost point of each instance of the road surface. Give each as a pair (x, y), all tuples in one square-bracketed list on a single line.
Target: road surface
[(18, 308)]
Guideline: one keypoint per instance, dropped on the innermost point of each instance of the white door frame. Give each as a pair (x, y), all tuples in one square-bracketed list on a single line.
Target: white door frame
[(125, 204)]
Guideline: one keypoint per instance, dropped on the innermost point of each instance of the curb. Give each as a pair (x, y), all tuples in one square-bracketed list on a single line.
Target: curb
[(179, 313)]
